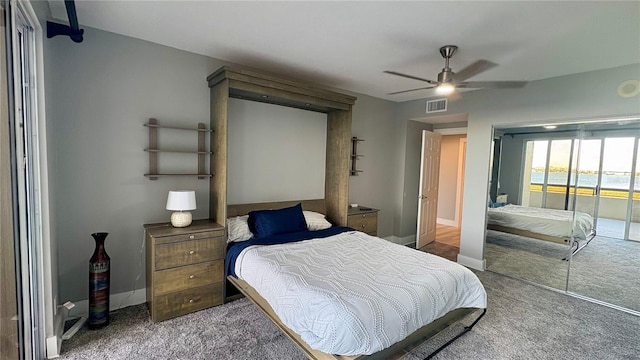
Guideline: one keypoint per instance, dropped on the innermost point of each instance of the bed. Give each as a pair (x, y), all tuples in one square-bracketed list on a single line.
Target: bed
[(543, 224), (343, 294)]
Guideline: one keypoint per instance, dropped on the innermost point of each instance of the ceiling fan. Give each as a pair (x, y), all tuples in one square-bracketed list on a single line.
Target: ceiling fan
[(448, 80)]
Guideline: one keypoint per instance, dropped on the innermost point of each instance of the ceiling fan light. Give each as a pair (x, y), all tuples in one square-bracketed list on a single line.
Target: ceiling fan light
[(445, 89)]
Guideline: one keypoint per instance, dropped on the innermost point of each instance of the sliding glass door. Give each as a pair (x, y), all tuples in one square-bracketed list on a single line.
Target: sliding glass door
[(548, 182), (600, 172), (614, 187), (9, 305), (587, 170)]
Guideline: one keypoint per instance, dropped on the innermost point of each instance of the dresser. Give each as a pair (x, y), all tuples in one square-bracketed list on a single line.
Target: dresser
[(185, 268), (363, 219)]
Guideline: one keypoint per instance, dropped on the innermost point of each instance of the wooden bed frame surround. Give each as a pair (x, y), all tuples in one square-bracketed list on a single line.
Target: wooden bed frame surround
[(396, 351), (578, 244), (232, 82)]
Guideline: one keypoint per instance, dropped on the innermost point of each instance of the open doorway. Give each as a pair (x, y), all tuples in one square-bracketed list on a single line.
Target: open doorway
[(450, 179), (452, 155)]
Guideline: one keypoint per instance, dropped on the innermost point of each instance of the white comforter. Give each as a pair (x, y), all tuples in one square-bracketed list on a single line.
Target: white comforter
[(353, 293), (542, 221)]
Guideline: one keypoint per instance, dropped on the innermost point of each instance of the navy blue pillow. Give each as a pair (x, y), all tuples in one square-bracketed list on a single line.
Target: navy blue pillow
[(265, 223)]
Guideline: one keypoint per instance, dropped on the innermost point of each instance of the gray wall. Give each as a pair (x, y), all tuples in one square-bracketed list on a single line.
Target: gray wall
[(99, 93), (373, 121), (511, 167), (271, 145)]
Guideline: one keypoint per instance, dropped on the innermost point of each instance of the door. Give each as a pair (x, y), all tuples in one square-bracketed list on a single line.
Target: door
[(461, 158), (428, 192), (26, 187), (614, 186), (588, 170)]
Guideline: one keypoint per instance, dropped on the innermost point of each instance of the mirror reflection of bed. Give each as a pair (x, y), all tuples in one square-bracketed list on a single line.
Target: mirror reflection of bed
[(564, 209)]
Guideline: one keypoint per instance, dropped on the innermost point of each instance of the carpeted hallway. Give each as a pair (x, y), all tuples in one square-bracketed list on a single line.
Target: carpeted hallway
[(522, 322)]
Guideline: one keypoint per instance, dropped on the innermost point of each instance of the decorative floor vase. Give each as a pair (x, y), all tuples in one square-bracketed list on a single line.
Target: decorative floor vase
[(99, 284)]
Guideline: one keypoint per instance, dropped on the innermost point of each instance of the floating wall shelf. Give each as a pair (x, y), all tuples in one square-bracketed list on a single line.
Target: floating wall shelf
[(355, 156), (153, 149)]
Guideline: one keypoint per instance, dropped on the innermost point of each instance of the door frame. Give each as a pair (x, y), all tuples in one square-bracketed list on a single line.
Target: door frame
[(462, 154)]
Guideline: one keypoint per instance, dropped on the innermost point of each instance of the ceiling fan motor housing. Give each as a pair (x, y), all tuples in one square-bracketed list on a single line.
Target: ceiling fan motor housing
[(445, 76), (447, 52)]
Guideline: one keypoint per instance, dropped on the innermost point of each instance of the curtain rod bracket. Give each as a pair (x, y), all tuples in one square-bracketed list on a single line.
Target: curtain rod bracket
[(72, 30)]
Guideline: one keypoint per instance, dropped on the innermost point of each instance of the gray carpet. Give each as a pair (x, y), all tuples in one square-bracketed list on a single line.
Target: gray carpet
[(607, 269), (523, 322)]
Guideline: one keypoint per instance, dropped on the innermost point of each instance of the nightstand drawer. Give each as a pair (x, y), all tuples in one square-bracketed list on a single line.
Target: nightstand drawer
[(367, 223), (183, 302), (188, 252), (189, 236), (186, 277)]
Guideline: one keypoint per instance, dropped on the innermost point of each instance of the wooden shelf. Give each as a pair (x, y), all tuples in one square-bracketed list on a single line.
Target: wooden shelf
[(354, 155), (199, 176), (154, 150), (179, 151), (151, 124)]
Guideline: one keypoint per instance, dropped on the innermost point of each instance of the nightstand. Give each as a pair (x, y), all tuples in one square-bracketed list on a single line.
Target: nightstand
[(185, 268), (363, 219)]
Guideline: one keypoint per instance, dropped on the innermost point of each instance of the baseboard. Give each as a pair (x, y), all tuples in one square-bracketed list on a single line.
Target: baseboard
[(446, 222), (116, 301), (471, 262), (407, 240)]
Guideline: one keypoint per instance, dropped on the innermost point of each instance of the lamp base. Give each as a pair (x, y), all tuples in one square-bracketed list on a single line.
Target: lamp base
[(181, 219)]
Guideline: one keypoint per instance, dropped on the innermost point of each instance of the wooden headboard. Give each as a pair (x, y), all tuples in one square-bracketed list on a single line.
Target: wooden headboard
[(316, 205)]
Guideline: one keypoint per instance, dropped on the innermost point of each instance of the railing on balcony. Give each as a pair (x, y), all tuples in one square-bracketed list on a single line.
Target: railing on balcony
[(612, 204)]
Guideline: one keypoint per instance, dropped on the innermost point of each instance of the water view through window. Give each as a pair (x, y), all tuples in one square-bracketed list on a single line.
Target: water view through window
[(599, 172), (616, 171)]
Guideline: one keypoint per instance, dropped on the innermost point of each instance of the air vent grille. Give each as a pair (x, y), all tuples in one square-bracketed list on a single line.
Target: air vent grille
[(438, 105)]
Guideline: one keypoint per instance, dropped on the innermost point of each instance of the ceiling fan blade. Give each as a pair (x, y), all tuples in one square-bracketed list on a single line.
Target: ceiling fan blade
[(411, 77), (473, 69), (404, 91), (492, 84)]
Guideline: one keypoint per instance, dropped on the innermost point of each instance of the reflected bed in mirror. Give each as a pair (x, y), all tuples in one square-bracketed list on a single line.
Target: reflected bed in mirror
[(543, 224)]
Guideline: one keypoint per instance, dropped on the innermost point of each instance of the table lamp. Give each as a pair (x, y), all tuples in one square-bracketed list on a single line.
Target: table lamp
[(181, 202)]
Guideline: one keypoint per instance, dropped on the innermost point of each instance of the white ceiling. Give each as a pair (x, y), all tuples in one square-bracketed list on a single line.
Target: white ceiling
[(348, 45)]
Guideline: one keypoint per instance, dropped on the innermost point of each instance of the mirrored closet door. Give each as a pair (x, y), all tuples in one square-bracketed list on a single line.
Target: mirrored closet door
[(608, 269), (564, 209), (526, 184)]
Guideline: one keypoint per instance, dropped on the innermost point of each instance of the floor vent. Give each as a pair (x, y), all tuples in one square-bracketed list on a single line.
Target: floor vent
[(438, 105)]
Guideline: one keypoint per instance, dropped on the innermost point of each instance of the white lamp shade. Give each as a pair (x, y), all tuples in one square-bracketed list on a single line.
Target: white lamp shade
[(181, 200)]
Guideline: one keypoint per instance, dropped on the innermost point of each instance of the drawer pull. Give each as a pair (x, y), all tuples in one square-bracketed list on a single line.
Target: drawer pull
[(191, 276), (364, 216), (363, 226), (191, 252), (190, 300), (192, 236)]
